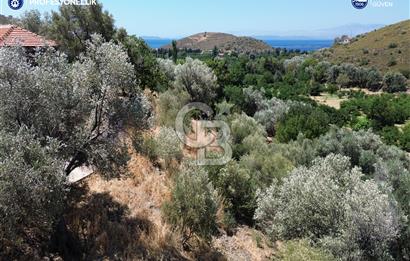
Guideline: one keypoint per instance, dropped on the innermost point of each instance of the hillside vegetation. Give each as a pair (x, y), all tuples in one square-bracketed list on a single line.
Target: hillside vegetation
[(386, 49), (223, 42), (255, 169)]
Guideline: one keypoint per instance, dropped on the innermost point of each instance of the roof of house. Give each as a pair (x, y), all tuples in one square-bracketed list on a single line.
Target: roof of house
[(12, 35)]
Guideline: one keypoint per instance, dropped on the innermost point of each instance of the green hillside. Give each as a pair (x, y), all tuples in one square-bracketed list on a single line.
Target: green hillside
[(386, 49)]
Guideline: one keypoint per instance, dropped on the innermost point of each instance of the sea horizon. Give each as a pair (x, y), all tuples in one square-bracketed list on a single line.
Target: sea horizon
[(296, 44)]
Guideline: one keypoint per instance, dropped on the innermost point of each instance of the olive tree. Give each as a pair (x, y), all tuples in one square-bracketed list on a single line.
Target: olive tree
[(394, 82), (330, 203), (197, 79), (32, 187), (84, 104)]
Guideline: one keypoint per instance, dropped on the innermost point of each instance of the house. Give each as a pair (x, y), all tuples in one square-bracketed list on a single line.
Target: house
[(12, 35), (344, 39)]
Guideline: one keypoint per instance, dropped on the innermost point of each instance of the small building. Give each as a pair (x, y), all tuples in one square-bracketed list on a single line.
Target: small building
[(344, 39), (12, 35)]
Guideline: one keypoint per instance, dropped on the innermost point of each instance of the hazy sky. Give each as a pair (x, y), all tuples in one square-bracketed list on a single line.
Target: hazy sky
[(174, 18)]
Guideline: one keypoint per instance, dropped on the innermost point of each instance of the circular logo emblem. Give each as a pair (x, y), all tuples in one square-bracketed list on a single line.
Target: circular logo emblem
[(15, 4), (359, 4)]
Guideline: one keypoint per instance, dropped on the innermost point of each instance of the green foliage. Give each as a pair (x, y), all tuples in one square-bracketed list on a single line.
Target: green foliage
[(361, 123), (73, 25), (394, 82), (33, 21), (310, 121), (381, 110), (82, 104), (146, 67), (167, 145), (238, 187), (295, 250), (174, 51), (32, 188), (390, 135), (197, 79), (193, 206), (169, 104), (404, 139), (243, 126), (330, 203), (266, 166)]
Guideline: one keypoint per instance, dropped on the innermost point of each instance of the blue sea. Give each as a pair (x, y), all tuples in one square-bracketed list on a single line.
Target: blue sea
[(303, 45)]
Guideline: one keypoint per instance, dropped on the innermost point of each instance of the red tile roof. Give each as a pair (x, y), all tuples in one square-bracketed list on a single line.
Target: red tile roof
[(12, 35)]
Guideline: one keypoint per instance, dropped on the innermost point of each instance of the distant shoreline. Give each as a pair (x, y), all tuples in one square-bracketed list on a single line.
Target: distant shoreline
[(302, 44)]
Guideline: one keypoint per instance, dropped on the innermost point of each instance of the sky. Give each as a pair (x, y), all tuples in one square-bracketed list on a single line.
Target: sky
[(177, 18)]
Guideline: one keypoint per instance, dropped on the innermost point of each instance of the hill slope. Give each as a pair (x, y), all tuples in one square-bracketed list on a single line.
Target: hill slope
[(386, 49), (224, 42)]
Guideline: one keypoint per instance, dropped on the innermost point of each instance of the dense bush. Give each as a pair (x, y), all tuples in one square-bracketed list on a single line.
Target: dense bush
[(193, 205), (237, 185), (311, 121), (167, 145), (331, 204), (197, 79), (267, 112), (243, 126), (404, 139), (394, 82), (32, 189)]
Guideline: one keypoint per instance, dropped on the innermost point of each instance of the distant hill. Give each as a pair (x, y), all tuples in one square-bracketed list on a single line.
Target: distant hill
[(224, 42), (387, 49)]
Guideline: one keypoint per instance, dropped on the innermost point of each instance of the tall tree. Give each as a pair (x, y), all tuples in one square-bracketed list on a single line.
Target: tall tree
[(174, 51), (75, 24)]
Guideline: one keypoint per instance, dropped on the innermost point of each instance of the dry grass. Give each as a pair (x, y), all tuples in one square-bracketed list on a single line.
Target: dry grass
[(246, 245), (120, 219), (375, 48)]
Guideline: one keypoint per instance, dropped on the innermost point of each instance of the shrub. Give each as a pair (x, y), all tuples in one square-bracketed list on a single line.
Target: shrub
[(238, 187), (393, 45), (266, 166), (193, 205), (32, 188), (169, 104), (392, 62), (394, 82), (301, 250), (391, 135), (361, 123), (241, 127), (197, 79), (373, 80), (268, 112), (405, 138), (146, 145), (329, 202), (167, 145), (312, 122)]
